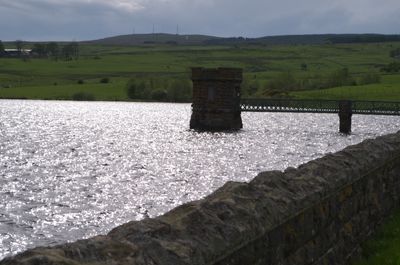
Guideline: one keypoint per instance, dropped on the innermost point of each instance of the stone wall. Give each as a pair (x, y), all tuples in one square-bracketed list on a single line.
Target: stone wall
[(315, 214)]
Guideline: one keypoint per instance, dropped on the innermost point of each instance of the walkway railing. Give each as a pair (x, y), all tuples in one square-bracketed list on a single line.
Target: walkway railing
[(319, 106)]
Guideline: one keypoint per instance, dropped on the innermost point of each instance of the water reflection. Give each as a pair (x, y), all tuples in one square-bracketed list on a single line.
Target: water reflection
[(72, 170)]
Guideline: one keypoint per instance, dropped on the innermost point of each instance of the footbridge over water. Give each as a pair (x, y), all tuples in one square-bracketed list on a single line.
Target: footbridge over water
[(320, 106), (345, 108), (217, 104)]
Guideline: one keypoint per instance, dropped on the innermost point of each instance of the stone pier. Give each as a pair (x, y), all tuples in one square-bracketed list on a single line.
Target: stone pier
[(345, 113), (216, 99)]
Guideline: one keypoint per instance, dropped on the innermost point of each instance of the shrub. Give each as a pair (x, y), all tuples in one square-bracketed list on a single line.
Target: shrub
[(137, 90), (391, 68), (369, 78), (131, 89), (80, 82), (83, 96), (105, 80), (395, 53), (282, 83), (179, 90), (340, 77), (249, 87), (159, 95)]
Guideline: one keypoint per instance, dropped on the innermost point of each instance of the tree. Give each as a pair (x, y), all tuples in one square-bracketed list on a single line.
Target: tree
[(19, 44), (40, 49), (70, 51), (53, 50), (179, 91), (66, 52), (131, 89), (75, 49), (340, 77), (137, 90), (1, 48), (159, 95), (281, 84)]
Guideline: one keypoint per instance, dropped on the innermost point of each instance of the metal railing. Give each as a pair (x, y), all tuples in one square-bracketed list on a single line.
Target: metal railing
[(319, 106)]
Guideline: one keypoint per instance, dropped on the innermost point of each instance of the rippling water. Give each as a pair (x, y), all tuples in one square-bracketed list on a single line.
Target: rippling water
[(71, 170)]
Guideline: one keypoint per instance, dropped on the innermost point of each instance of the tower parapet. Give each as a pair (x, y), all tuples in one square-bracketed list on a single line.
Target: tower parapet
[(216, 99)]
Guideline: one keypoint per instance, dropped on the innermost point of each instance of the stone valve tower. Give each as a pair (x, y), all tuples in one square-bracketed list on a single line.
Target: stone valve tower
[(216, 99)]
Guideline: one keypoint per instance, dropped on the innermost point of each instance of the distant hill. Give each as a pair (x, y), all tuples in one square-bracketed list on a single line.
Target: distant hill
[(274, 40), (363, 38), (157, 38), (172, 39), (308, 39)]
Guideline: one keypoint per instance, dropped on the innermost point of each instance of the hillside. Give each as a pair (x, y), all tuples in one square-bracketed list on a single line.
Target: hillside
[(173, 39), (307, 39), (157, 72), (157, 38)]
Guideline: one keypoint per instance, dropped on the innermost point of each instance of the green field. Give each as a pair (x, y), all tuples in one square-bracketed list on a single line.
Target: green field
[(159, 66), (383, 248), (387, 90)]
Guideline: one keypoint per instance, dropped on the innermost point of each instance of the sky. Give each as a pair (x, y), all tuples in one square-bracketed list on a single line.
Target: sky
[(41, 20)]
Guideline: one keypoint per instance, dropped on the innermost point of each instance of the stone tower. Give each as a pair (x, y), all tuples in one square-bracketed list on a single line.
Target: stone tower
[(216, 99)]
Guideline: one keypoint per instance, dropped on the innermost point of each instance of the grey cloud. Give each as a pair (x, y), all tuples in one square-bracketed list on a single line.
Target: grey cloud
[(82, 19)]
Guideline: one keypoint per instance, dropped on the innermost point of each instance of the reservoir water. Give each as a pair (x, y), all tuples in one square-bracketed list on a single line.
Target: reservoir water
[(71, 170)]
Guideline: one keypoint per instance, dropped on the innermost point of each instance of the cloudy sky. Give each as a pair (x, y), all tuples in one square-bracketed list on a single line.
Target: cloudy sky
[(92, 19)]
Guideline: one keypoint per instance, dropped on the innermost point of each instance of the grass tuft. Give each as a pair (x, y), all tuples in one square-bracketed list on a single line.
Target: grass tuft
[(384, 247)]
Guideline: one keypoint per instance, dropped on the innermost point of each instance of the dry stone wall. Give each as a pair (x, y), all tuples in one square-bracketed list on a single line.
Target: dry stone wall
[(315, 214)]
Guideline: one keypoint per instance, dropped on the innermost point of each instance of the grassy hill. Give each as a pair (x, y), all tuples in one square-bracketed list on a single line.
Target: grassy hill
[(162, 70), (157, 38), (201, 40), (387, 90), (311, 39)]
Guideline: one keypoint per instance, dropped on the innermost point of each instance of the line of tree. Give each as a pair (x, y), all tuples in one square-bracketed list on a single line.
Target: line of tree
[(53, 50), (50, 49), (168, 90), (67, 52), (18, 44)]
